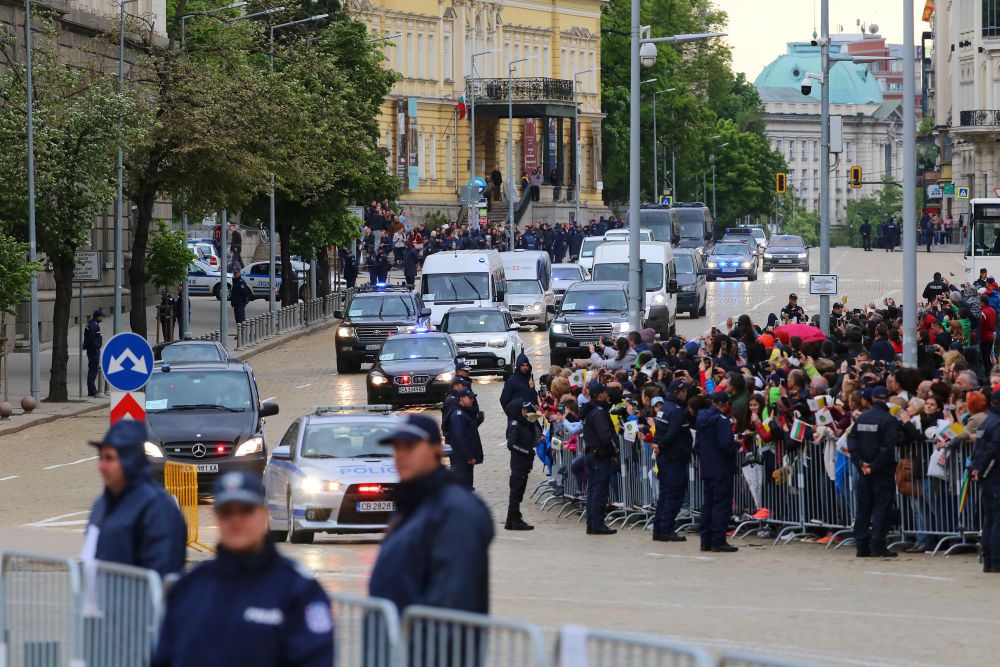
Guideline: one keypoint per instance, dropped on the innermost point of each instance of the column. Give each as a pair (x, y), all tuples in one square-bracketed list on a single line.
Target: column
[(574, 156)]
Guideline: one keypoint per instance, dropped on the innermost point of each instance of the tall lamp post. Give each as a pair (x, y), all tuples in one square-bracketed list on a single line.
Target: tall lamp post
[(472, 119), (210, 12), (909, 192), (656, 177), (32, 244), (510, 145), (120, 190), (644, 53), (576, 124)]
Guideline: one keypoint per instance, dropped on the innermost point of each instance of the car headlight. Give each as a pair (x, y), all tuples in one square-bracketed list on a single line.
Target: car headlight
[(559, 328), (658, 299), (345, 332), (623, 327), (254, 445), (497, 342), (747, 265), (537, 306), (712, 265), (152, 450), (378, 378), (311, 485), (445, 377), (803, 255), (687, 288)]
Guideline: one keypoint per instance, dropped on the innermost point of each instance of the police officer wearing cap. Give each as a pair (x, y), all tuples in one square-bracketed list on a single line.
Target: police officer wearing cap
[(458, 385), (522, 435), (985, 460), (463, 436), (793, 311), (717, 450), (249, 605), (436, 548), (672, 444), (871, 445), (599, 438)]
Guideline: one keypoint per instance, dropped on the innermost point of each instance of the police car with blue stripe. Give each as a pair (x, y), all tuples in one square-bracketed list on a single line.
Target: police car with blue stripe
[(329, 474), (203, 279)]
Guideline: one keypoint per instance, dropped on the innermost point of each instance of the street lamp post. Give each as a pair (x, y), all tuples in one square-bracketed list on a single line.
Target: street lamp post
[(120, 191), (472, 123), (32, 244), (185, 17), (510, 145), (576, 124), (644, 50), (909, 193), (656, 177), (711, 161)]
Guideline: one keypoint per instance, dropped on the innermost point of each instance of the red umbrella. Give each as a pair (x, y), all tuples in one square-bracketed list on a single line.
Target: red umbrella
[(804, 331)]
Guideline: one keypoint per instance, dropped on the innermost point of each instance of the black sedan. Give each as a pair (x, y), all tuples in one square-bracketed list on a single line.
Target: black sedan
[(413, 368), (190, 351), (731, 259), (785, 251)]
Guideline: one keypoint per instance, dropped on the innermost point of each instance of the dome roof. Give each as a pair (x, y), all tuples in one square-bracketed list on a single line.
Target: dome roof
[(850, 83)]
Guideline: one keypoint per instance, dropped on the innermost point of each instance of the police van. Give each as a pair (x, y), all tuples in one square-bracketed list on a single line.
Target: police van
[(611, 262), (467, 278)]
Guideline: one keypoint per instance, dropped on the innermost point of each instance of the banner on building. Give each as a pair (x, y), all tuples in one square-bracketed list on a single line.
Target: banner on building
[(402, 159), (530, 143), (551, 147), (928, 10), (414, 153)]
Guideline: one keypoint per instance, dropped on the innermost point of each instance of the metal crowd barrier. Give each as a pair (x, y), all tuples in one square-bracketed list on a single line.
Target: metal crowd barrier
[(638, 486), (601, 648), (448, 638), (122, 610), (299, 315), (740, 659), (366, 632), (181, 481), (566, 488)]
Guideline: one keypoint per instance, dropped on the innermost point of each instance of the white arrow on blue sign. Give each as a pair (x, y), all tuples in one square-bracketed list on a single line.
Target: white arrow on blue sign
[(127, 360)]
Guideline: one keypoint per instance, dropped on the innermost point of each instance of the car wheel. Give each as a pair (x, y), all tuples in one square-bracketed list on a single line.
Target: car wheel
[(704, 308), (544, 326), (345, 366), (217, 292), (297, 536)]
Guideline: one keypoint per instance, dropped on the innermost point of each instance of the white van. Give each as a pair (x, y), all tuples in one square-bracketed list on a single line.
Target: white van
[(622, 235), (587, 248), (466, 278), (529, 286), (659, 276)]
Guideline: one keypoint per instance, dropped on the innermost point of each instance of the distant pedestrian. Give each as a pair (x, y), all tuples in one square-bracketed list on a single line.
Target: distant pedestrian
[(410, 261), (350, 270), (599, 436), (463, 436), (239, 298), (165, 314), (496, 180), (235, 248), (93, 341), (717, 449), (249, 605), (866, 235), (382, 268), (134, 522)]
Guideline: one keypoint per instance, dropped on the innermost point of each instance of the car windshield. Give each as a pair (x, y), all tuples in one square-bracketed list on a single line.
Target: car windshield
[(566, 274), (182, 389), (685, 263), (692, 229), (396, 349), (178, 352), (652, 274), (731, 249), (589, 245), (442, 287), (759, 234), (584, 300), (524, 287), (459, 322), (395, 305), (345, 441), (793, 244)]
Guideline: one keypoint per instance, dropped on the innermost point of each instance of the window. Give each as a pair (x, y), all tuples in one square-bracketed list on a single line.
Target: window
[(991, 18), (546, 65), (434, 158), (563, 63), (449, 70), (421, 155), (421, 58), (400, 50), (411, 54), (431, 57)]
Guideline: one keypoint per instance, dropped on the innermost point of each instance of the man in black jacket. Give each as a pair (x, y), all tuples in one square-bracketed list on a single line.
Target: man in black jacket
[(871, 445), (717, 450), (672, 445), (600, 439), (522, 436), (519, 387), (463, 436), (985, 457), (93, 341)]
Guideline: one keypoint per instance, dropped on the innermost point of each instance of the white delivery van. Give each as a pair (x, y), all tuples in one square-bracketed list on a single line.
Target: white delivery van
[(466, 278), (659, 276), (529, 286), (622, 235)]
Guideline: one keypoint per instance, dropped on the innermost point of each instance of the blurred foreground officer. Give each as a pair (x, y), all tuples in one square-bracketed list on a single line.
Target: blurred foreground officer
[(250, 605), (463, 436), (717, 450), (436, 548), (135, 522), (522, 436), (984, 464), (672, 444), (872, 444)]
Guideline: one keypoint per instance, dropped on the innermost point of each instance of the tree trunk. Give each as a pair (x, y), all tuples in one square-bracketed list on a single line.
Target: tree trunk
[(322, 273), (137, 267), (63, 272), (288, 277)]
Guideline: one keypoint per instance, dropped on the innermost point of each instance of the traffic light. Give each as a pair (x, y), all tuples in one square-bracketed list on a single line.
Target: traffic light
[(780, 182), (856, 177)]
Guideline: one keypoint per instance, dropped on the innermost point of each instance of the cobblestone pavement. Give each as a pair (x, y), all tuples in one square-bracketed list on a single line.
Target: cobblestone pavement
[(800, 600)]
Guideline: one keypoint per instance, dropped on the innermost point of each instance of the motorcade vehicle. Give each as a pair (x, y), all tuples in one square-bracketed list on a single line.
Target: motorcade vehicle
[(697, 229), (455, 278), (529, 286), (487, 339), (591, 311), (659, 275), (413, 368), (692, 288), (564, 275), (371, 315), (204, 279), (786, 251), (731, 259)]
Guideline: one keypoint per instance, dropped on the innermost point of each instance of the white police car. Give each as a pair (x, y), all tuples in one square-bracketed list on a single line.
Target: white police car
[(257, 276), (329, 474), (203, 279)]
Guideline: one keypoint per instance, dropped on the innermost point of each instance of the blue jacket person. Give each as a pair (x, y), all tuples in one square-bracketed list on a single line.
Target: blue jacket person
[(717, 449), (522, 436), (93, 341), (601, 440), (463, 436), (672, 444)]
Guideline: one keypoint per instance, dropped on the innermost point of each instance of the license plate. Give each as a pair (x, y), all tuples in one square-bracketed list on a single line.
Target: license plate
[(472, 362), (372, 346), (784, 261), (729, 270), (413, 390), (377, 506), (207, 467)]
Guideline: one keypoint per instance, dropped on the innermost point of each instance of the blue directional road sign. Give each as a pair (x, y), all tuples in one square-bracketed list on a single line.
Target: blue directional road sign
[(127, 360)]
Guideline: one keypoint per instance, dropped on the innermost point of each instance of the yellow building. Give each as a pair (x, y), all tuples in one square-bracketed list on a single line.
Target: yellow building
[(431, 43)]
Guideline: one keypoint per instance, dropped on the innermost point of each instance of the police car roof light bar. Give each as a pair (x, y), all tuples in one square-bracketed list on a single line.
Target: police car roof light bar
[(379, 407)]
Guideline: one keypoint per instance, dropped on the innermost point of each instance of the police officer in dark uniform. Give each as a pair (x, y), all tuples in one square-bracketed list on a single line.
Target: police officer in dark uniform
[(93, 341), (463, 436), (717, 449), (522, 436), (985, 457), (672, 444), (600, 439), (871, 445), (249, 605), (866, 235), (793, 311), (519, 387), (450, 403)]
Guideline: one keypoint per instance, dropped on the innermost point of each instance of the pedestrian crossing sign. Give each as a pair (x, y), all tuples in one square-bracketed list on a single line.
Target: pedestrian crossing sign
[(666, 200), (963, 193)]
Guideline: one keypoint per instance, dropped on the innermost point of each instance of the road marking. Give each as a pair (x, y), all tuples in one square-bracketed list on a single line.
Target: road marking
[(4, 479), (56, 521), (303, 386), (911, 576), (652, 553), (268, 399), (60, 465)]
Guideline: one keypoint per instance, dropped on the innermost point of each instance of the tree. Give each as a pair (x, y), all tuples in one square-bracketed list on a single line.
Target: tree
[(15, 283), (876, 208), (77, 128), (794, 218), (167, 257), (745, 169)]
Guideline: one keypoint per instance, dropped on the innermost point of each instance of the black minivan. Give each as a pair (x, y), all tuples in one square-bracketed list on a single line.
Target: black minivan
[(696, 227)]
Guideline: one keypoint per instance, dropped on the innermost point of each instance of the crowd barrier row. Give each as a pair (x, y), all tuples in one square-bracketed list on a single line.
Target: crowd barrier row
[(56, 612), (805, 492), (181, 481)]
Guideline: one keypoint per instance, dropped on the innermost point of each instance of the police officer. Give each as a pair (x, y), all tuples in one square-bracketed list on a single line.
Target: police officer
[(672, 444), (866, 235), (599, 437), (93, 341), (717, 449), (793, 311), (871, 445), (519, 387), (135, 521), (985, 457), (463, 436), (522, 436), (266, 610), (450, 403)]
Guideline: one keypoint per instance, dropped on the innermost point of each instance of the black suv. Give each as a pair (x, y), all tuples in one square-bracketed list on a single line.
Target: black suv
[(413, 368), (696, 227), (372, 314), (208, 414), (590, 311)]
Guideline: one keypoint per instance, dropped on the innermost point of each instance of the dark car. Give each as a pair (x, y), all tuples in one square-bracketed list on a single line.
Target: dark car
[(590, 311), (190, 351), (413, 368), (785, 251), (207, 414), (696, 227), (692, 290), (743, 234), (731, 259), (373, 314), (662, 221)]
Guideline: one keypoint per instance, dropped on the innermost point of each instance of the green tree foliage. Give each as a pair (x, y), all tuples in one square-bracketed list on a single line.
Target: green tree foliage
[(15, 273), (78, 124), (744, 174), (876, 208), (794, 218), (167, 257)]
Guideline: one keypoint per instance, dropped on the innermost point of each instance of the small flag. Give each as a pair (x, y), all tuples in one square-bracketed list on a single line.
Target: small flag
[(894, 409), (798, 431), (824, 418), (965, 487), (557, 443), (928, 10), (463, 110), (631, 428), (577, 378), (951, 431)]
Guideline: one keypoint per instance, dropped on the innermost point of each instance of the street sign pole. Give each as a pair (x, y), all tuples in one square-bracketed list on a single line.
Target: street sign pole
[(79, 348), (909, 193)]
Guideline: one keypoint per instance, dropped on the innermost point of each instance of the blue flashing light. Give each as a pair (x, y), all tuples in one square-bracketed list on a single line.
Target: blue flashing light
[(591, 307), (420, 330), (380, 285)]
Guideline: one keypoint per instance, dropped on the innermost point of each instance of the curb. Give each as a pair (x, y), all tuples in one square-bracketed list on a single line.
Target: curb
[(48, 419)]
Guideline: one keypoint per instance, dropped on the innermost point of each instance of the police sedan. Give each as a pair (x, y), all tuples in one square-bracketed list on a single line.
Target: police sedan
[(203, 279), (329, 474)]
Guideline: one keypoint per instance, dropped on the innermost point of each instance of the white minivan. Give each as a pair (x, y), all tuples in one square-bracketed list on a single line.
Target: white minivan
[(529, 286), (659, 276), (462, 278)]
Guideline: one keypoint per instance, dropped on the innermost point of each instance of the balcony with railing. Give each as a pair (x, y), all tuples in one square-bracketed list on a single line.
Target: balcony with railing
[(980, 118), (530, 96)]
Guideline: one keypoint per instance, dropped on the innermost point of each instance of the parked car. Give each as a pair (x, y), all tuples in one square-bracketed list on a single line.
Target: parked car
[(692, 290)]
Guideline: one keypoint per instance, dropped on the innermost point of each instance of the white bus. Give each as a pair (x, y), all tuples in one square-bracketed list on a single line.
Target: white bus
[(982, 244)]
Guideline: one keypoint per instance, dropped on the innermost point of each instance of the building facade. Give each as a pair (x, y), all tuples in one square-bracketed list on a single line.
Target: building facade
[(872, 127), (554, 50)]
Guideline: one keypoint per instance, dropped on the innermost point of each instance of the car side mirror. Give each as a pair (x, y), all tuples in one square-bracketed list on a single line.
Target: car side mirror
[(282, 453), (551, 308), (672, 286), (338, 314), (268, 409), (425, 312)]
